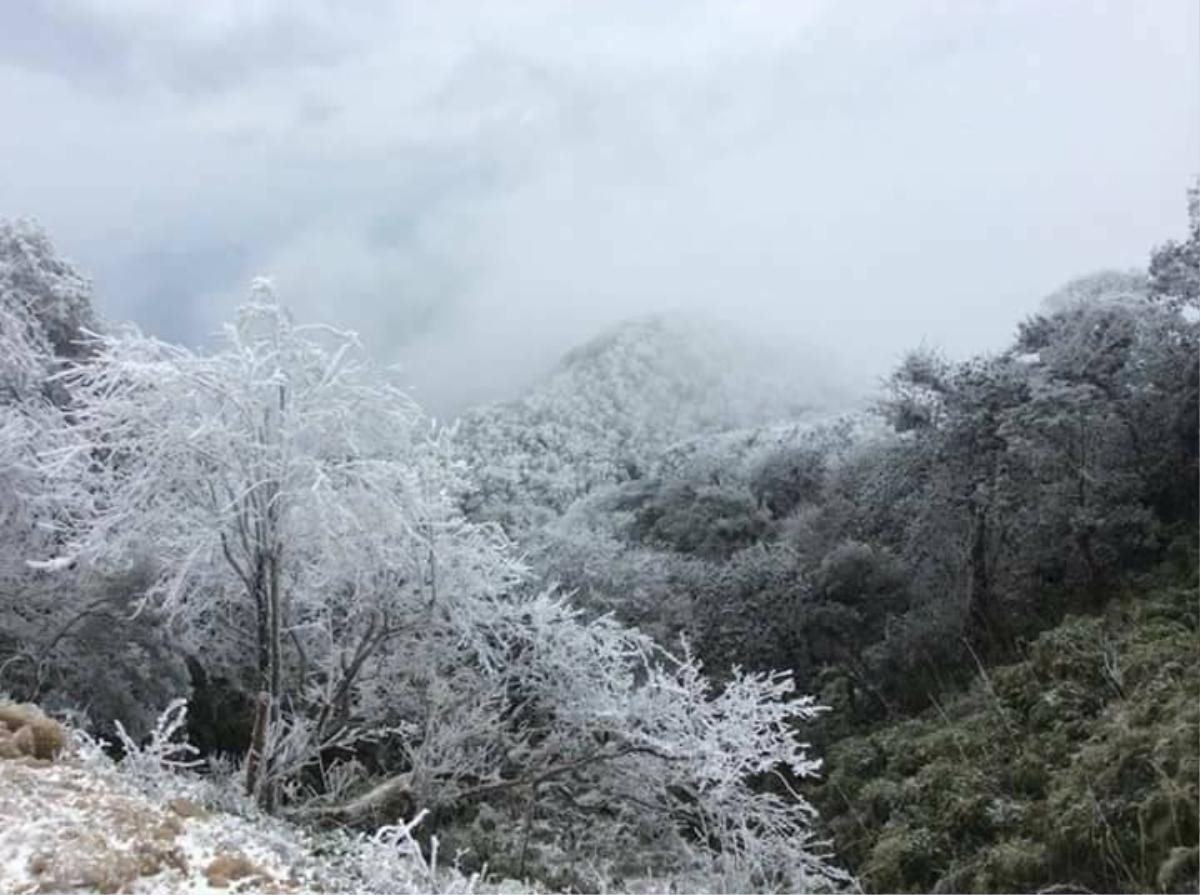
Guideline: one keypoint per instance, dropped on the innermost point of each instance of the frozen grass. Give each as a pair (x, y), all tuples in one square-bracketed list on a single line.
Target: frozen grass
[(149, 824), (1076, 767)]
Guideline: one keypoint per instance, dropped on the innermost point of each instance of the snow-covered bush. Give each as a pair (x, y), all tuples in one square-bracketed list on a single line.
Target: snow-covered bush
[(44, 289), (618, 756), (67, 639), (294, 509)]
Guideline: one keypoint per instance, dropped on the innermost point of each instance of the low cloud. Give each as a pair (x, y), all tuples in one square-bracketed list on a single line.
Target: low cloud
[(476, 187)]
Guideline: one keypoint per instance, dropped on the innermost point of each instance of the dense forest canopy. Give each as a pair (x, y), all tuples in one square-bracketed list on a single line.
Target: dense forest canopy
[(576, 629)]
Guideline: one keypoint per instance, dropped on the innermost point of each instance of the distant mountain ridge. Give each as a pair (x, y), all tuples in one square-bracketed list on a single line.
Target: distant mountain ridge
[(614, 404)]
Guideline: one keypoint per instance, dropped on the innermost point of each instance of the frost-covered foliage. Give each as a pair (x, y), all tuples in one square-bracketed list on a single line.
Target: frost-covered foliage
[(1175, 266), (35, 283), (580, 752), (294, 511), (737, 457), (29, 424), (43, 305), (296, 521), (621, 760), (612, 406), (66, 638), (77, 644), (1106, 287), (658, 552), (645, 550), (884, 560), (283, 514)]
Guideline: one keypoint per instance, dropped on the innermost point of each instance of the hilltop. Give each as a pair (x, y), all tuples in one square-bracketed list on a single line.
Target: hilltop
[(611, 407)]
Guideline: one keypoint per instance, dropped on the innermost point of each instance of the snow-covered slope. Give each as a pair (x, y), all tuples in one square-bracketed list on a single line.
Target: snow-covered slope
[(77, 821)]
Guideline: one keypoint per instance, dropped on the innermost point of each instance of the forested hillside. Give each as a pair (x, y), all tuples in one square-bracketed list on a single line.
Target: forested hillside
[(612, 410), (587, 637), (890, 556)]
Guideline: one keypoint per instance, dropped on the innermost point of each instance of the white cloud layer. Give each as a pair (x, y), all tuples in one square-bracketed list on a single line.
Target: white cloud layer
[(476, 186)]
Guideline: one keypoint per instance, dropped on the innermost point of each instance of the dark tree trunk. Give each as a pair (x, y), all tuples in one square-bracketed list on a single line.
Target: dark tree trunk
[(258, 742), (979, 583)]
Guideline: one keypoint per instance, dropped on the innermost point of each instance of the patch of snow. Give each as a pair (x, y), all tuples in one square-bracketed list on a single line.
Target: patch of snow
[(67, 822)]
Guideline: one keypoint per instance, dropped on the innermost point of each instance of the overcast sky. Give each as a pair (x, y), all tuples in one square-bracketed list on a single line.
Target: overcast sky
[(477, 186)]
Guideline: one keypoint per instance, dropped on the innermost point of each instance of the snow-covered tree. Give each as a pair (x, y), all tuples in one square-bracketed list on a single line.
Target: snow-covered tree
[(49, 650), (29, 421), (1175, 266), (43, 304), (44, 289), (1105, 287), (283, 492)]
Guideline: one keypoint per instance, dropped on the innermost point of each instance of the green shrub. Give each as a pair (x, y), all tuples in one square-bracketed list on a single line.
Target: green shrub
[(1077, 766)]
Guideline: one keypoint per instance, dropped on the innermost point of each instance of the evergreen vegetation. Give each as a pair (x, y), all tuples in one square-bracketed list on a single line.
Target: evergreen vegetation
[(576, 629)]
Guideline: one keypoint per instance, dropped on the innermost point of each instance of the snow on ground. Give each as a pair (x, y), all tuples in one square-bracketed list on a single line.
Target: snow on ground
[(68, 826), (82, 823)]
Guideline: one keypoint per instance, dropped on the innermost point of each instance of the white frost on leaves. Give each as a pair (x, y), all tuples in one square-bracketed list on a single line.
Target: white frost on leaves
[(283, 472)]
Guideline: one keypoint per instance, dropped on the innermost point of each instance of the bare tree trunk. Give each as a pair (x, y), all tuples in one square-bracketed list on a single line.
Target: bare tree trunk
[(393, 797), (268, 627), (979, 585), (262, 622), (384, 803), (269, 788), (258, 742), (268, 785)]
